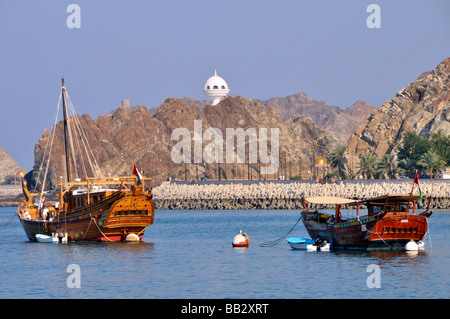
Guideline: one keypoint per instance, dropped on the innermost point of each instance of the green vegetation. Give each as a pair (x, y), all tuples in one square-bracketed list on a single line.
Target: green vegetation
[(428, 156), (367, 166), (387, 167), (432, 162), (337, 158)]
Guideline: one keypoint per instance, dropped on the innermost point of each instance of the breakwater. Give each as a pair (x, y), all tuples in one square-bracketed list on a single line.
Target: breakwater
[(10, 195), (287, 194)]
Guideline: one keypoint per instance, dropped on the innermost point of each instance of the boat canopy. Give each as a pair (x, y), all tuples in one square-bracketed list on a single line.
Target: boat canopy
[(325, 200), (394, 198)]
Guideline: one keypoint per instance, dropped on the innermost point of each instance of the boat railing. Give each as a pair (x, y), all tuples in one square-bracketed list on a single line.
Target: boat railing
[(95, 183)]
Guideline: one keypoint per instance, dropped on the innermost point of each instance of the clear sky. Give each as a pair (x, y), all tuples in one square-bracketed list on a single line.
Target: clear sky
[(148, 50)]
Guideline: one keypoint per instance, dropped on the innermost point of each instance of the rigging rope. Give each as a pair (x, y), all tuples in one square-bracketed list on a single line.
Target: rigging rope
[(82, 136), (75, 130), (50, 151)]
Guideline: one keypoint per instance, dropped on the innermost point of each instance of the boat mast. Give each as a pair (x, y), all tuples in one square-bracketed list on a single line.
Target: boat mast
[(66, 145)]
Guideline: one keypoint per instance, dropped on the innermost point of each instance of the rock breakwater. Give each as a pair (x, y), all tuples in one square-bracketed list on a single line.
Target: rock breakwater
[(287, 195), (10, 195)]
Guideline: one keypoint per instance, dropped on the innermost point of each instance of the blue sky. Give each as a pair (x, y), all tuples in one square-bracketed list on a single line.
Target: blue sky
[(149, 50)]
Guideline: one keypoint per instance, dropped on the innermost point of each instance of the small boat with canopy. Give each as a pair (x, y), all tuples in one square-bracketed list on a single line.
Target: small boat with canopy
[(387, 222)]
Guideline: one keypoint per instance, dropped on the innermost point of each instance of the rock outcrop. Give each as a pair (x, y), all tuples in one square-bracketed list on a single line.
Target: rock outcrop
[(332, 118), (8, 166), (423, 106)]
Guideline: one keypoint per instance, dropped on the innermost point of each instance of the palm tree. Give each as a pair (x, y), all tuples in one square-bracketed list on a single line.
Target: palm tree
[(367, 165), (432, 162), (387, 165), (337, 158), (440, 143), (406, 167)]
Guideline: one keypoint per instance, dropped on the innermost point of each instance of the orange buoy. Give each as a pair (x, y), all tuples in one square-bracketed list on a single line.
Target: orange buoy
[(240, 240)]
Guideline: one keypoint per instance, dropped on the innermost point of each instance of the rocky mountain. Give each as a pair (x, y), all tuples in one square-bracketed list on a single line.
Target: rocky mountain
[(133, 135), (341, 123), (423, 106), (8, 166), (332, 118)]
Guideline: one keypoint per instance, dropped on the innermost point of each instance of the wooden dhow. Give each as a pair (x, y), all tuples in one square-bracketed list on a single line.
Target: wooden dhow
[(116, 208), (389, 221)]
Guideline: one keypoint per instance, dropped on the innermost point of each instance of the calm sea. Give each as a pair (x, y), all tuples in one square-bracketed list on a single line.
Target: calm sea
[(188, 254)]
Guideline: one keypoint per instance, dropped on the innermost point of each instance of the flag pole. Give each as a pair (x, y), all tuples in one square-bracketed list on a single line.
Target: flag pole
[(412, 189)]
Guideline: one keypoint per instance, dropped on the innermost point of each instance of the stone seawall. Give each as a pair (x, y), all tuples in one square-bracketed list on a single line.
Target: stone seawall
[(10, 195), (287, 194)]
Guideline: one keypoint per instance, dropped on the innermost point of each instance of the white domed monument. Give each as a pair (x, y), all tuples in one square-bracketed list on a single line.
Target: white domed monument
[(216, 88)]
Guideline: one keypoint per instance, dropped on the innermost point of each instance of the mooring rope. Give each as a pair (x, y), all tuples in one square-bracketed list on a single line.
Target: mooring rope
[(89, 226), (4, 224), (95, 222), (276, 241)]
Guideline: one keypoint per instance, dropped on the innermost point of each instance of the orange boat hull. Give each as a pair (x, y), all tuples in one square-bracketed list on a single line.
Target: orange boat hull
[(397, 229)]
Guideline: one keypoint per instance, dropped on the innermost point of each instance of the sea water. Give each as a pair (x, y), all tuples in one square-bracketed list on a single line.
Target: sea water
[(189, 255)]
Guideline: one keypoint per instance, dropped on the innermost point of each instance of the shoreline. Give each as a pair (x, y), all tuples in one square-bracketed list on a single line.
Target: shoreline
[(247, 204)]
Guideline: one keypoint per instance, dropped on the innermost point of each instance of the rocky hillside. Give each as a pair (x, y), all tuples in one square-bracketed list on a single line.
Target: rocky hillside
[(332, 118), (132, 135), (8, 166), (423, 106)]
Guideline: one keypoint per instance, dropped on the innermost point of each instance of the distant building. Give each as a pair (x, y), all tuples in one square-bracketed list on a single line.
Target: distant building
[(18, 178), (126, 103), (216, 88)]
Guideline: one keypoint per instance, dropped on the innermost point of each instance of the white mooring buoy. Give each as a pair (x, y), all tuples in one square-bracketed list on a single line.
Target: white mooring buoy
[(240, 240), (411, 246), (132, 237)]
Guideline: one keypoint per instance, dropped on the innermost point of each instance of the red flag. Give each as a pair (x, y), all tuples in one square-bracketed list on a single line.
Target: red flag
[(137, 173), (416, 181)]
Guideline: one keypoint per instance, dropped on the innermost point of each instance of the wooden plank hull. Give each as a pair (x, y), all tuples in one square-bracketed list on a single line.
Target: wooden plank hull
[(343, 235), (383, 232), (111, 219), (394, 231), (33, 227)]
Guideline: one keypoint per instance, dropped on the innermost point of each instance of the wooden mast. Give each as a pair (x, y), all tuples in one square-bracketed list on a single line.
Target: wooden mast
[(66, 145)]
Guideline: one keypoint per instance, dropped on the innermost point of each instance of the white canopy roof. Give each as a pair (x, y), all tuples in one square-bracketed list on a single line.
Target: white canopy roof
[(329, 200)]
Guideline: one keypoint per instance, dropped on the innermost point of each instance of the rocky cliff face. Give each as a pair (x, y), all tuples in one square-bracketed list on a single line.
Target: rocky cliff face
[(423, 106), (133, 135), (8, 166), (332, 118)]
